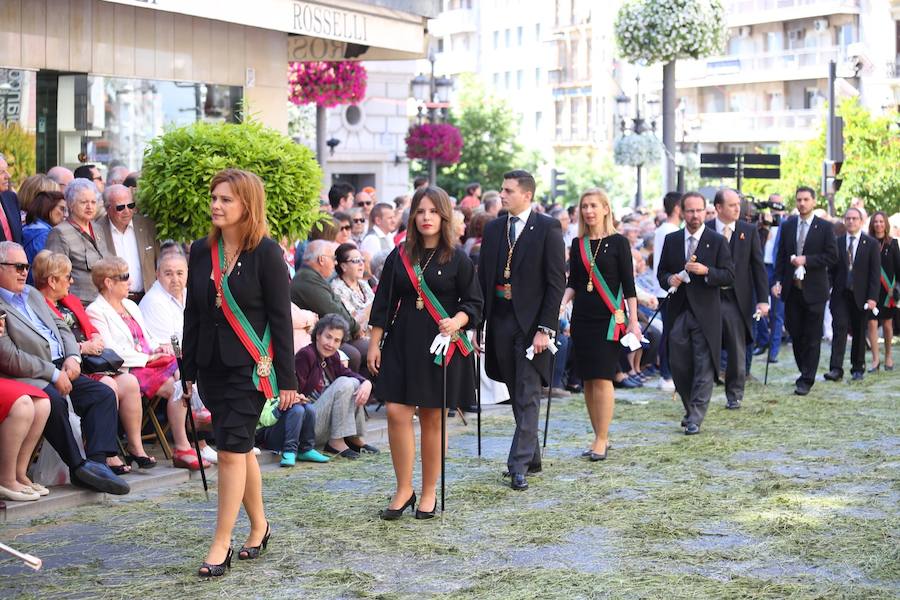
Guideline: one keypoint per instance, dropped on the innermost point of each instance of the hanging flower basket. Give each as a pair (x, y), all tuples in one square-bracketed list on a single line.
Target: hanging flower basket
[(651, 31), (637, 149), (326, 84), (439, 142)]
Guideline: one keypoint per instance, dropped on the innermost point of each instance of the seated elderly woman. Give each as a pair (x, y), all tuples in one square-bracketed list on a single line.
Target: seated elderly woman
[(23, 413), (121, 324), (75, 237), (338, 394), (350, 285), (52, 278), (46, 211)]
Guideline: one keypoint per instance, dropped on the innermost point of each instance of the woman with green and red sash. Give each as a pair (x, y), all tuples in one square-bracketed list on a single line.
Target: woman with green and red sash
[(428, 288), (238, 347), (880, 229), (601, 287)]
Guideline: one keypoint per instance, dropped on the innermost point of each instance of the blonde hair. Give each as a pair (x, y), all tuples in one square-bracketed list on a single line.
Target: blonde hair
[(608, 225), (107, 267), (32, 186), (47, 264), (249, 189)]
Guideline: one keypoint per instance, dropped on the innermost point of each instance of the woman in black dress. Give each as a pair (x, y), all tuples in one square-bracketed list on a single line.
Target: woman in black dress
[(238, 346), (880, 229), (599, 319), (410, 374)]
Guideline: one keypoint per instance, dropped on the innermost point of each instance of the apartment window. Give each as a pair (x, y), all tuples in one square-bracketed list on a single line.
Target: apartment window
[(811, 98), (537, 77), (774, 41), (440, 45), (496, 81), (589, 124), (846, 35), (507, 80), (559, 108), (575, 117), (520, 79), (537, 121), (537, 32), (496, 40), (519, 35), (574, 63), (796, 38), (507, 36), (589, 60)]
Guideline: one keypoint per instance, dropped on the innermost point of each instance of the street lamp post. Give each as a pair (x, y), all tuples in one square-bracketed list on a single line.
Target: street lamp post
[(432, 93), (638, 124)]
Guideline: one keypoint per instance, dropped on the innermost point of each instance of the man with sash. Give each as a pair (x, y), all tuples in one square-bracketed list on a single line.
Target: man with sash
[(696, 263), (522, 273), (738, 309), (854, 290)]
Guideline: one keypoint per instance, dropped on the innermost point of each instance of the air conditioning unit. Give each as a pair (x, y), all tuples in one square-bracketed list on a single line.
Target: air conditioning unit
[(744, 32), (820, 25)]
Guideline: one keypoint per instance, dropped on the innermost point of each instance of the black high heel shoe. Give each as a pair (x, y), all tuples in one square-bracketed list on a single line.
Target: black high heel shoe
[(252, 552), (421, 514), (392, 514), (216, 570), (143, 462)]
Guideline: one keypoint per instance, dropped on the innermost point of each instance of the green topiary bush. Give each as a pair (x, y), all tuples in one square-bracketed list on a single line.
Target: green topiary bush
[(17, 145), (178, 166)]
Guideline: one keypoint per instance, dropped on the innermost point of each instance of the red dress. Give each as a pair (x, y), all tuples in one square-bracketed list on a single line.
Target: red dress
[(11, 390), (152, 376)]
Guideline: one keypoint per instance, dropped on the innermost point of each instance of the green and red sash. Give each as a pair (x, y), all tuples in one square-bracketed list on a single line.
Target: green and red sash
[(260, 349), (433, 306), (615, 304), (888, 286)]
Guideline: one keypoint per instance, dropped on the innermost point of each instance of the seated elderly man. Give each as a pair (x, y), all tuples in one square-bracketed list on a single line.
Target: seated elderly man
[(40, 350), (310, 290), (130, 235)]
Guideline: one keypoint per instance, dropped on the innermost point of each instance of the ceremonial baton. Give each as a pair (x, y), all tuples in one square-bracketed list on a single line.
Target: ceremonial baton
[(444, 435), (176, 347), (549, 396), (658, 308), (478, 385), (30, 561)]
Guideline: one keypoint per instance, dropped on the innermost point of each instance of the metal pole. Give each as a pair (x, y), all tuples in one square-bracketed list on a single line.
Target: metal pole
[(444, 438), (432, 117), (638, 196), (829, 129), (668, 124), (320, 134)]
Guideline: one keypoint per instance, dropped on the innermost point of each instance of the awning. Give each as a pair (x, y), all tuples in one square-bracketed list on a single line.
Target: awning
[(370, 32)]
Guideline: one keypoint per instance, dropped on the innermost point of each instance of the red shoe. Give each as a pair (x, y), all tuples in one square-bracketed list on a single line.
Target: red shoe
[(187, 459)]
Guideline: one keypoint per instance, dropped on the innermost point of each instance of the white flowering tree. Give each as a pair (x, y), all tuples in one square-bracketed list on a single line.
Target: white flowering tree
[(651, 31)]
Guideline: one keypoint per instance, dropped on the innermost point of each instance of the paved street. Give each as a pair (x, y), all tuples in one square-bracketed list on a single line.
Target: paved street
[(787, 498)]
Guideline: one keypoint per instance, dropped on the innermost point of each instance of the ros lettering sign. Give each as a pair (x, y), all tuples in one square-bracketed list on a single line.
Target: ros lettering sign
[(333, 23)]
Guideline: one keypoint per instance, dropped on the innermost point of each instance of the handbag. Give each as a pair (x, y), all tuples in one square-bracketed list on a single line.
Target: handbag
[(106, 362)]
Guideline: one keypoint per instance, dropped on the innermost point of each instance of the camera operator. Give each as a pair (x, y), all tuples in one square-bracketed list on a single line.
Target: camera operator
[(768, 331)]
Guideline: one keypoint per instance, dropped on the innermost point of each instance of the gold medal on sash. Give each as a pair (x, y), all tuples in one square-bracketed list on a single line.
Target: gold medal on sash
[(420, 304), (619, 316), (506, 273), (507, 291), (264, 366), (590, 285)]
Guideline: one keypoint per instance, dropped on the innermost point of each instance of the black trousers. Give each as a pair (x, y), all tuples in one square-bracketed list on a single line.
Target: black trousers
[(847, 317), (804, 322), (95, 403), (693, 367), (734, 343), (524, 384)]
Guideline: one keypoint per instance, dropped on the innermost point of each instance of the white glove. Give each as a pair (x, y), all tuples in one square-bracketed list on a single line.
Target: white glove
[(799, 272), (874, 310), (684, 276), (757, 316), (440, 344), (529, 353), (630, 341)]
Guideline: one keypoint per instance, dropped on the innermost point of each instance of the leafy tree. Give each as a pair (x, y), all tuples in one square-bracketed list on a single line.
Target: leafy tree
[(489, 129), (179, 165), (17, 145), (583, 171)]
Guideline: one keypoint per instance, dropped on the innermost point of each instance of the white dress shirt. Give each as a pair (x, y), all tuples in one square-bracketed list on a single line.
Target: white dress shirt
[(720, 227), (127, 247), (376, 241), (163, 313), (696, 235), (523, 218)]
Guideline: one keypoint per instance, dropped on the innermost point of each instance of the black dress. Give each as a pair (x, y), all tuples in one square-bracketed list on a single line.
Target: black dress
[(408, 374), (890, 262), (595, 356)]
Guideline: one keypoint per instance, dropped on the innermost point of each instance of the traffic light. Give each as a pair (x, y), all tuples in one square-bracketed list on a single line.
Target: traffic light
[(557, 184), (831, 183)]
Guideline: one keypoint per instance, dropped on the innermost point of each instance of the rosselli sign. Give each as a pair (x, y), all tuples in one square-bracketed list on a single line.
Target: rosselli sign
[(339, 20)]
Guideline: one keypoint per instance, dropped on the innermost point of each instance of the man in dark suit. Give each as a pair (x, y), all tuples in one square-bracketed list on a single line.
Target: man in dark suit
[(806, 249), (40, 350), (696, 262), (738, 308), (10, 215), (522, 272), (855, 278)]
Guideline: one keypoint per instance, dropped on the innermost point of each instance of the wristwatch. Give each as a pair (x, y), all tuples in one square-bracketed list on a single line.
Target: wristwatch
[(547, 330)]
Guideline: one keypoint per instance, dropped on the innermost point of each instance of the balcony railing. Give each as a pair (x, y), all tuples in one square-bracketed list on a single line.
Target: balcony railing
[(764, 66), (459, 20), (761, 126), (748, 12)]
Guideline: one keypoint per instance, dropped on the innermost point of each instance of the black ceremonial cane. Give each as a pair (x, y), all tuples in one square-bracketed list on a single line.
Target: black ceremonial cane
[(659, 306), (176, 347), (444, 436), (549, 396), (478, 386)]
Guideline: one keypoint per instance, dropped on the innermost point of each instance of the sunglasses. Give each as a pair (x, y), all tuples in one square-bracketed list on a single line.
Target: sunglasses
[(369, 203), (358, 221), (355, 261), (129, 206), (345, 228), (19, 267), (120, 277)]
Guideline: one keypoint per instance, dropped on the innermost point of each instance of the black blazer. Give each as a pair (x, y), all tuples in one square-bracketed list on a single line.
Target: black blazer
[(866, 269), (538, 279), (820, 250), (9, 203), (749, 270), (261, 285), (702, 295)]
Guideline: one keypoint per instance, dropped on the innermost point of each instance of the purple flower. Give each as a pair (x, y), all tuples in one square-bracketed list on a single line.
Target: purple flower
[(440, 142)]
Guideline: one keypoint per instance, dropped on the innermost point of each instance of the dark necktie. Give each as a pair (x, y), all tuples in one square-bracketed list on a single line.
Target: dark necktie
[(692, 247), (801, 239), (512, 230), (851, 255)]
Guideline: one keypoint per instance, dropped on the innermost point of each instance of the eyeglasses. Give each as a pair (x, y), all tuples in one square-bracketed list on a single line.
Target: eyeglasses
[(120, 277), (129, 206), (369, 203), (359, 221), (19, 267), (345, 228), (355, 261)]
